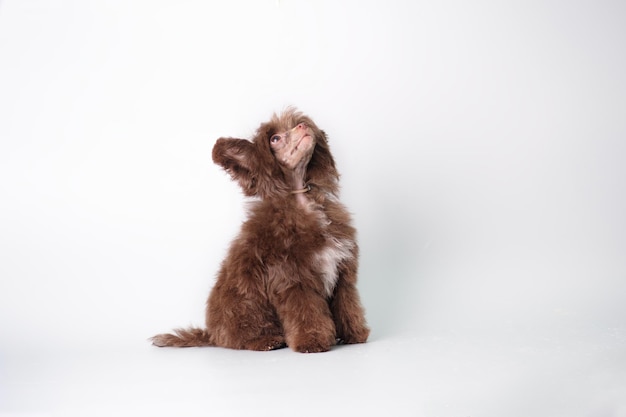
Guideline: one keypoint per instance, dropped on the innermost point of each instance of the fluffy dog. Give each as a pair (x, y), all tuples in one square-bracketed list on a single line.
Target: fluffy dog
[(290, 276)]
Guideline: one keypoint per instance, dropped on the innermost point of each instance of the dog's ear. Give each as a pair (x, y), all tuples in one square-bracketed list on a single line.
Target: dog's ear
[(321, 170), (238, 158)]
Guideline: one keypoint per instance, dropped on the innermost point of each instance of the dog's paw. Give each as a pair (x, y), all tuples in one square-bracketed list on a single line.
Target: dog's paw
[(312, 345), (358, 335), (266, 343), (312, 348)]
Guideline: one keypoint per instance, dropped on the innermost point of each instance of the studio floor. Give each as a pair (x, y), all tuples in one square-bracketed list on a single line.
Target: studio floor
[(436, 375)]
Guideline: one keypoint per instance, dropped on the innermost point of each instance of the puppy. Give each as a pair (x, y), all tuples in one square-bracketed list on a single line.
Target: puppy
[(290, 276)]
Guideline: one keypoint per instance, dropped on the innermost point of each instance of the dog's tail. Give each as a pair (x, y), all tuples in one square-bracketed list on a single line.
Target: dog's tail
[(183, 338)]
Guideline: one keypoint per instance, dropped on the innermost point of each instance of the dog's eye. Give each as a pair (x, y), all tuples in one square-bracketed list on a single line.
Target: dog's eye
[(275, 139)]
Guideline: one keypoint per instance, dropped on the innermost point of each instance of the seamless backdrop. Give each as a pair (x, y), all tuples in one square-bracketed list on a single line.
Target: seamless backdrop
[(481, 146)]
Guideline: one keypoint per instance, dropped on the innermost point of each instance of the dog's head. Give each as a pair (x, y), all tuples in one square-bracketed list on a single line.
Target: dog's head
[(288, 142)]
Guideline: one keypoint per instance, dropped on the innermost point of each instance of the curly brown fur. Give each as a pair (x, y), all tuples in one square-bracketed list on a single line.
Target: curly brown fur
[(290, 276)]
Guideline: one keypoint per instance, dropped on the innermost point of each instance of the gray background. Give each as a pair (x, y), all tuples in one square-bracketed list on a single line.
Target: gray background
[(481, 146)]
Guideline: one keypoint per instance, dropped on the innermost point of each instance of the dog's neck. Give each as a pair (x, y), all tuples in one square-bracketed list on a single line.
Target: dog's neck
[(299, 188), (306, 189)]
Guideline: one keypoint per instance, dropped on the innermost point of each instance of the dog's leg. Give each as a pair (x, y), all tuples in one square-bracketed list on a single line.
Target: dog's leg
[(250, 329), (243, 322), (346, 308), (306, 319)]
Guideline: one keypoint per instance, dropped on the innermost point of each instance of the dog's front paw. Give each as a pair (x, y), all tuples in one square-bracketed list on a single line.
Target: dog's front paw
[(312, 348), (266, 343), (358, 335), (312, 344)]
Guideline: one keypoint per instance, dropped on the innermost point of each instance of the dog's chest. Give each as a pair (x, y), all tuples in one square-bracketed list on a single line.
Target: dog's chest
[(306, 237), (328, 259)]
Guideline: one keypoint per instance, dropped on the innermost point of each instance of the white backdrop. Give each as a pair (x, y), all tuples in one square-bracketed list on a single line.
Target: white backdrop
[(481, 146)]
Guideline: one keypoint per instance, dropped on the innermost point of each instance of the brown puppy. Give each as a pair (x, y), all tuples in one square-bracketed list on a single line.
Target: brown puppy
[(290, 276)]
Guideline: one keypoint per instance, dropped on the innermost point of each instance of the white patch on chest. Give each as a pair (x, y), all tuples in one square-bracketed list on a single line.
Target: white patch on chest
[(328, 260)]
